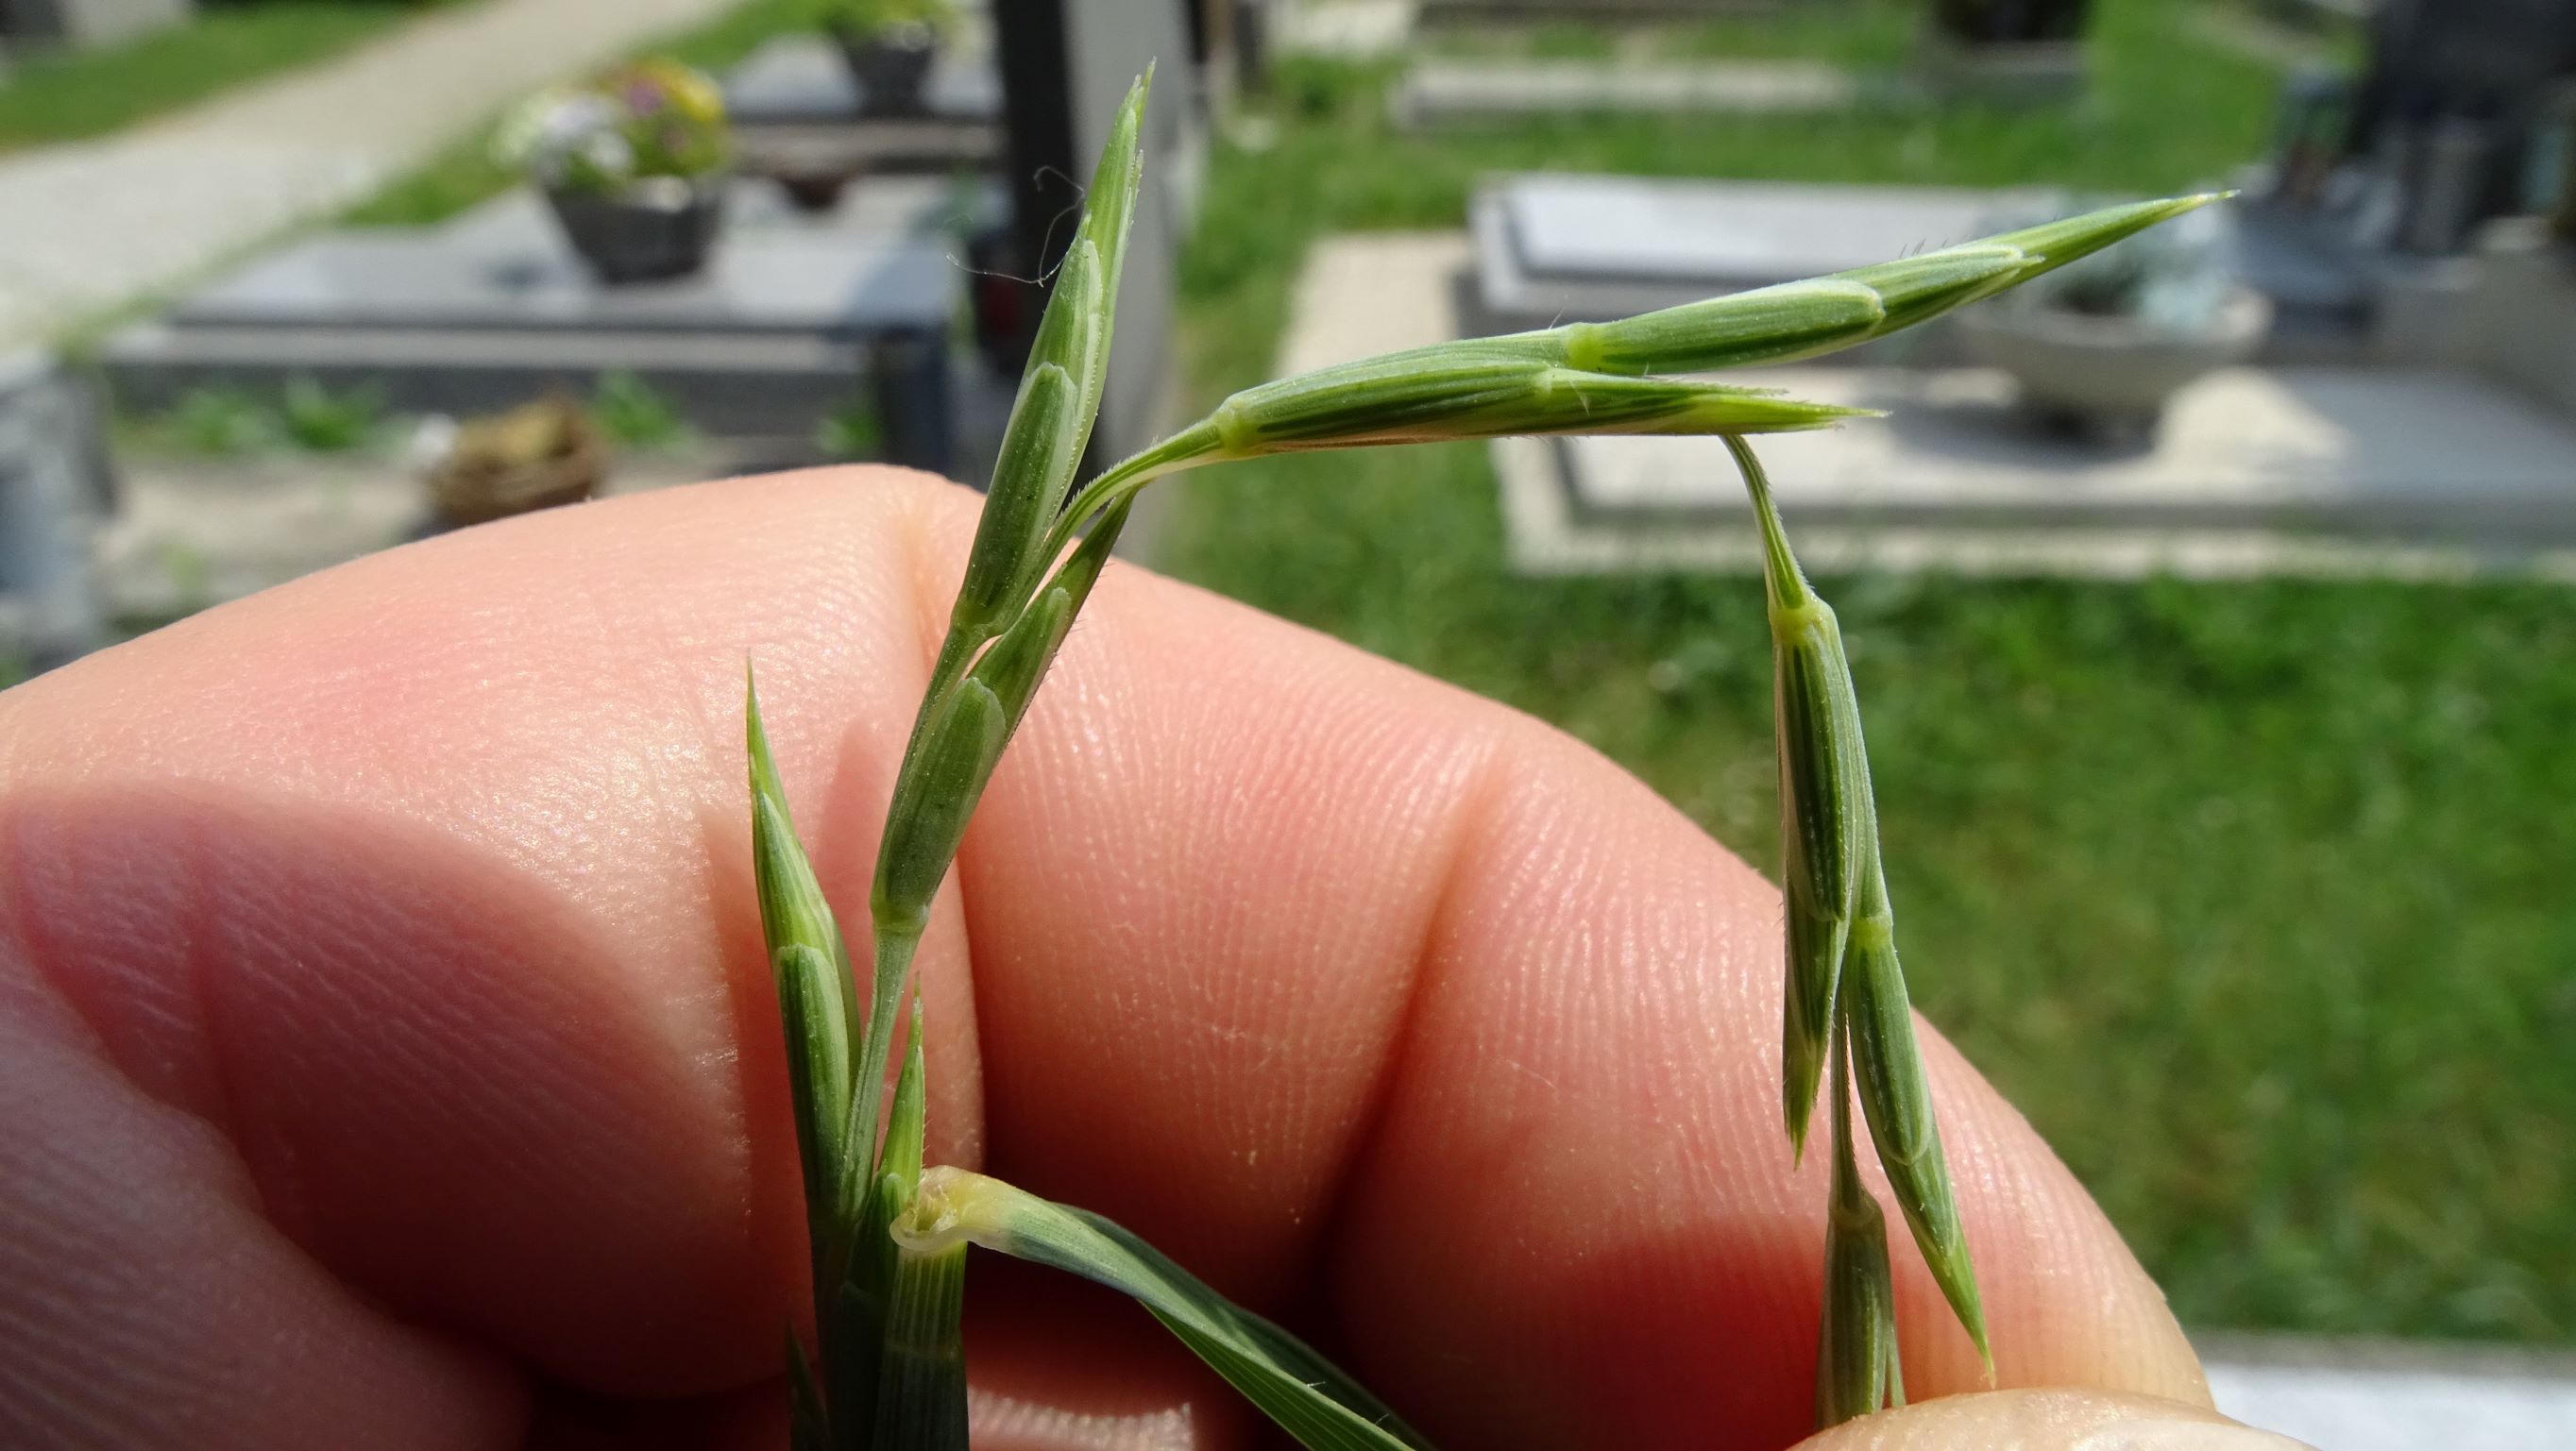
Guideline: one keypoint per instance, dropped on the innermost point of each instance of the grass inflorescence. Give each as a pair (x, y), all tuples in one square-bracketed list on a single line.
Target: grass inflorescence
[(888, 1236)]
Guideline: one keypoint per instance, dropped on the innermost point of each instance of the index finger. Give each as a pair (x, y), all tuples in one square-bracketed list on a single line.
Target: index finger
[(424, 882)]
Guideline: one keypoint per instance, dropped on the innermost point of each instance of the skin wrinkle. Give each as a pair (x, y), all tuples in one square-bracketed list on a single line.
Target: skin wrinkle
[(1625, 958), (305, 936), (1474, 803), (191, 1251), (33, 952), (1315, 696), (215, 1104), (1331, 1168), (279, 1196), (279, 926)]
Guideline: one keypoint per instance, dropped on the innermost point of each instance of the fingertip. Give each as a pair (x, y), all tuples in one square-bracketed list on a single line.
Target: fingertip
[(2048, 1420)]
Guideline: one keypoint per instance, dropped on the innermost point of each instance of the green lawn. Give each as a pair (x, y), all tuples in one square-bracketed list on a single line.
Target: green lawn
[(80, 94), (2254, 896)]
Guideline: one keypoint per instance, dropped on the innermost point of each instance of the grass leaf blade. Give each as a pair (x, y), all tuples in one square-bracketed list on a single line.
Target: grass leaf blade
[(898, 1171), (1309, 1397), (921, 1384), (816, 998)]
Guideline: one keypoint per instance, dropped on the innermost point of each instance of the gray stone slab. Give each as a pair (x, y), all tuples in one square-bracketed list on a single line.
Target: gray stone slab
[(2332, 470), (1728, 234), (1453, 92), (798, 80), (2324, 285), (729, 383), (2517, 320), (755, 283), (842, 151), (2360, 451), (1555, 248), (794, 317)]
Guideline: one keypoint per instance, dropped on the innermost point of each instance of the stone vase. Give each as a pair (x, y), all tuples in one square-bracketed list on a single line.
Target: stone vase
[(892, 67), (659, 227), (2108, 375)]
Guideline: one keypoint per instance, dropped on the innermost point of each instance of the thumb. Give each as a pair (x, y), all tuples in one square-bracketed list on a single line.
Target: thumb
[(2048, 1420)]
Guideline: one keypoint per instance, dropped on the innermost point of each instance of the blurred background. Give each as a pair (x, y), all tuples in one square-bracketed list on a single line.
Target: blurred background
[(2210, 602)]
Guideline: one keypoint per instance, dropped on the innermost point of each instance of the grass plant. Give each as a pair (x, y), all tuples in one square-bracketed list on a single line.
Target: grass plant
[(316, 419), (217, 423), (886, 1237), (2103, 788), (304, 415), (636, 415)]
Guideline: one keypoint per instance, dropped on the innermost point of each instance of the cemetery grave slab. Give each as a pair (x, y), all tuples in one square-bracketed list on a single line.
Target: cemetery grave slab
[(2391, 472), (793, 317), (801, 80), (1558, 248), (1552, 248), (2253, 470), (1455, 92), (798, 116)]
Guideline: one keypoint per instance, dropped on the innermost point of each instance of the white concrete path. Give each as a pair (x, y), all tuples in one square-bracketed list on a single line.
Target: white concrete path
[(86, 226), (2395, 1396)]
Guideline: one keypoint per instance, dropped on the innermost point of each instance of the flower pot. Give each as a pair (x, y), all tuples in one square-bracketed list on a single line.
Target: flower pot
[(658, 227), (892, 67), (2109, 375)]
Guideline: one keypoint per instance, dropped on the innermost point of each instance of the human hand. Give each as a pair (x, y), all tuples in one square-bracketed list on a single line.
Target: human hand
[(389, 1059)]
